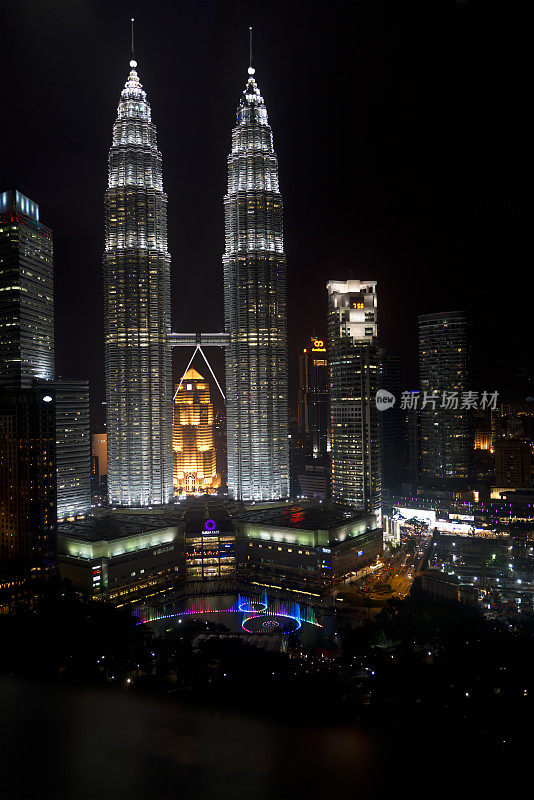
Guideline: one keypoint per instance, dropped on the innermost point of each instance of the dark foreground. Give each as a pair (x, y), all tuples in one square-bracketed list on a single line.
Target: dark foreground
[(422, 701)]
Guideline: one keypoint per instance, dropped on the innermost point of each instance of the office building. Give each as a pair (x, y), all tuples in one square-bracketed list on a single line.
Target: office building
[(353, 364), (73, 447), (446, 433), (137, 309), (26, 293), (255, 310), (194, 459)]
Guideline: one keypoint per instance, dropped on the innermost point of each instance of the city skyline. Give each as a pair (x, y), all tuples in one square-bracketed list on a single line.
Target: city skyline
[(320, 532), (434, 222)]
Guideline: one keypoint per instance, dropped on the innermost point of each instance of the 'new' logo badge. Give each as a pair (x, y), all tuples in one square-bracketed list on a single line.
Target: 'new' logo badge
[(384, 400)]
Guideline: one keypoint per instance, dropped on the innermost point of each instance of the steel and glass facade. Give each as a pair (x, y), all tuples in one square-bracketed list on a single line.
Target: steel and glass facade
[(26, 293), (353, 364), (255, 309), (137, 309)]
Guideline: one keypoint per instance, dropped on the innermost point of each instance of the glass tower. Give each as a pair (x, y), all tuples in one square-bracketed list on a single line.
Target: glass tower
[(26, 293), (255, 309), (444, 365), (353, 364), (73, 447), (137, 309)]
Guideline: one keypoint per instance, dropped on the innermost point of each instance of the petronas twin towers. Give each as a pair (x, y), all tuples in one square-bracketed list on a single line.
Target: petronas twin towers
[(137, 310)]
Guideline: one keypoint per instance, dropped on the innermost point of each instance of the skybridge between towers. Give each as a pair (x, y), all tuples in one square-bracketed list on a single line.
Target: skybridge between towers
[(198, 341)]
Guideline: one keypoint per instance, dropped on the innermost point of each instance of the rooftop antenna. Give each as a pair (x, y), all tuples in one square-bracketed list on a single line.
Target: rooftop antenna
[(251, 69), (133, 53)]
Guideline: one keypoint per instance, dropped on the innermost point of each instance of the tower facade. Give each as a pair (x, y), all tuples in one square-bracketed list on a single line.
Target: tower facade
[(353, 365), (255, 310), (137, 309), (313, 400), (194, 461), (26, 293)]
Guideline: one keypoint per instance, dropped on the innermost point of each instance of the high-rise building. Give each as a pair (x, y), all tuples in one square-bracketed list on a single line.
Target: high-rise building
[(313, 399), (313, 421), (28, 519), (446, 433), (137, 309), (255, 310), (26, 293), (194, 459), (73, 447), (353, 365)]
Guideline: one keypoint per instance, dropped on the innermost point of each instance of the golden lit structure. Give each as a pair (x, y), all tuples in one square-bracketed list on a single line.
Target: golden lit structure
[(194, 463)]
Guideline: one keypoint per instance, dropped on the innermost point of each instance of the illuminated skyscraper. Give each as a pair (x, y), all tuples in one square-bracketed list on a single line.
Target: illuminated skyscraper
[(194, 463), (255, 309), (26, 293), (73, 447), (353, 364), (313, 400), (310, 444), (137, 309)]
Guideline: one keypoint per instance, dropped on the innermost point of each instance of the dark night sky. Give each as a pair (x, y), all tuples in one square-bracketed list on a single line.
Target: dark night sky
[(403, 132)]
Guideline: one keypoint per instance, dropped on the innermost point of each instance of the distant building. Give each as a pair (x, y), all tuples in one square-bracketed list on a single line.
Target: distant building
[(194, 458), (99, 453), (512, 464), (26, 293), (413, 445), (27, 484), (353, 365), (313, 399), (313, 420), (444, 366)]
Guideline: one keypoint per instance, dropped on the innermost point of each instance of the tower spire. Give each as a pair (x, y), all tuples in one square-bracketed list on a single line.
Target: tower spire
[(132, 23), (251, 69)]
